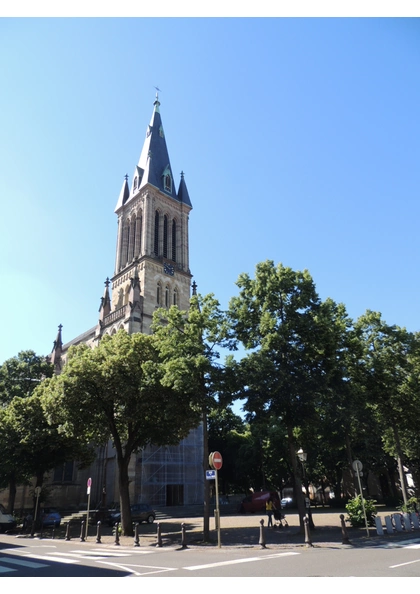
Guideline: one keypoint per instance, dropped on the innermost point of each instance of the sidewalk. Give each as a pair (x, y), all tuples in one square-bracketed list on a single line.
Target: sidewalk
[(237, 530)]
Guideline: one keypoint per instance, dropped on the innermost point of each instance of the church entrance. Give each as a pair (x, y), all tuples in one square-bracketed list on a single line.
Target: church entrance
[(174, 494)]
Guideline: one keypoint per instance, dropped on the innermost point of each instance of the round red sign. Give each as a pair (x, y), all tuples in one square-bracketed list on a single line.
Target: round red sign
[(217, 460)]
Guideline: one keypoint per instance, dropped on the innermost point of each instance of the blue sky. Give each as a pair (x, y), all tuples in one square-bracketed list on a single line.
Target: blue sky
[(299, 139)]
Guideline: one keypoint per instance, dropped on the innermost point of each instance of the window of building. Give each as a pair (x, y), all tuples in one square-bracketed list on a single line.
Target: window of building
[(175, 297), (165, 236), (166, 296), (158, 294), (168, 183), (174, 240), (156, 243), (64, 473)]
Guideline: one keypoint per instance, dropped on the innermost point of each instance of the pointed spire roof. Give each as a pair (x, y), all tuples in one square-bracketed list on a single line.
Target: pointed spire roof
[(154, 166), (55, 357), (105, 306), (124, 194), (183, 195)]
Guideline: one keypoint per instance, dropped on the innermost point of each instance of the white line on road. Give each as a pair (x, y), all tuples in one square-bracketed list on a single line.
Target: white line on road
[(48, 558), (24, 563), (234, 561), (128, 567), (401, 564)]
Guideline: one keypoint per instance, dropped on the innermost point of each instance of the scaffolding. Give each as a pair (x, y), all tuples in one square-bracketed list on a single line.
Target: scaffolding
[(172, 475)]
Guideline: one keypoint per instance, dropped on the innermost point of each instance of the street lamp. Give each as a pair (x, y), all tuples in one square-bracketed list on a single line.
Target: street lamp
[(302, 457)]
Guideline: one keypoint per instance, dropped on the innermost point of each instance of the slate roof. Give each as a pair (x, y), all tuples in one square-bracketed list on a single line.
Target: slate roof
[(154, 165)]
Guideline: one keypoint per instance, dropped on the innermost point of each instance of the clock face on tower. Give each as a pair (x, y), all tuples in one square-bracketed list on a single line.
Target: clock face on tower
[(168, 269)]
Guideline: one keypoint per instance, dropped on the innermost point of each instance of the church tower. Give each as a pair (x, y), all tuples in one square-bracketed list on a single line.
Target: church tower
[(152, 254)]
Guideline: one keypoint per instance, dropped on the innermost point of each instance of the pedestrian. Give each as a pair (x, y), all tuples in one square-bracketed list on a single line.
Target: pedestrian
[(269, 508)]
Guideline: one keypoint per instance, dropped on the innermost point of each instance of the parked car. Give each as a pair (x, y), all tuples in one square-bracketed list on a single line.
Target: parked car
[(256, 501), (50, 517), (7, 521), (140, 512), (286, 502)]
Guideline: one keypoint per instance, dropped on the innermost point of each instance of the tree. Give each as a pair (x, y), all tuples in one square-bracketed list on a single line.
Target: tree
[(19, 376), (119, 390), (390, 376), (189, 343), (276, 317)]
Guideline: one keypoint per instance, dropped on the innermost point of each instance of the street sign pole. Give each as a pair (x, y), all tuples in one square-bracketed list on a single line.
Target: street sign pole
[(217, 510), (216, 462), (89, 484), (357, 466)]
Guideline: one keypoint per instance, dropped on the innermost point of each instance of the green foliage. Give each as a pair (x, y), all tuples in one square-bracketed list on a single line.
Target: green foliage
[(356, 516), (412, 506)]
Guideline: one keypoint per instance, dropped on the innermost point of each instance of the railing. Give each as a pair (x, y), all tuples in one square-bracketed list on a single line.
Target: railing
[(115, 315)]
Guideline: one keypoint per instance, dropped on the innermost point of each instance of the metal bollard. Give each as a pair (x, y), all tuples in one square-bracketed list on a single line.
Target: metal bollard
[(98, 532), (159, 535), (308, 540), (344, 532), (68, 531), (262, 535), (82, 532), (117, 534), (136, 535), (183, 536)]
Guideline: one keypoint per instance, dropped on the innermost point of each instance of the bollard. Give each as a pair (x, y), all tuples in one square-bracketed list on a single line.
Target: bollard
[(82, 532), (308, 540), (98, 532), (68, 531), (117, 534), (415, 520), (407, 522), (388, 524), (183, 537), (136, 535), (397, 522), (344, 533), (159, 535), (262, 535), (379, 529)]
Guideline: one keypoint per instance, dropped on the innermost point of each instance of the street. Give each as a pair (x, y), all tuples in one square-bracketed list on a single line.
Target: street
[(53, 558)]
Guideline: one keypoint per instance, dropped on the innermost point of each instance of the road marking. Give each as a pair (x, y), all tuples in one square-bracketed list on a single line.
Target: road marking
[(6, 569), (401, 564), (48, 558), (24, 563), (234, 561), (128, 566)]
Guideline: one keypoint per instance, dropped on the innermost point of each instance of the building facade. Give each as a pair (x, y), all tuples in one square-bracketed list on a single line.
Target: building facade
[(151, 270)]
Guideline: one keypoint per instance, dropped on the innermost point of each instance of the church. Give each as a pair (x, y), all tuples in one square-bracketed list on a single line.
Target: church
[(151, 271)]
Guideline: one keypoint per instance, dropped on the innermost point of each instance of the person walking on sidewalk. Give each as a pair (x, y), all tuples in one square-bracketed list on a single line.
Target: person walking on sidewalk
[(269, 508)]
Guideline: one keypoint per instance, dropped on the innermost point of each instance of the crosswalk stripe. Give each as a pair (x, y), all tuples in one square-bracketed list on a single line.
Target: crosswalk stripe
[(56, 559), (6, 569), (24, 563)]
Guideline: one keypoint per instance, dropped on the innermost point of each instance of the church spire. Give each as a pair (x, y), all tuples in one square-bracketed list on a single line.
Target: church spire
[(105, 306), (55, 357)]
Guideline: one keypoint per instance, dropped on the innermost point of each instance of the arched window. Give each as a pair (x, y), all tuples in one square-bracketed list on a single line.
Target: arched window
[(156, 243), (158, 293), (166, 296), (165, 236), (168, 183), (174, 240), (175, 297)]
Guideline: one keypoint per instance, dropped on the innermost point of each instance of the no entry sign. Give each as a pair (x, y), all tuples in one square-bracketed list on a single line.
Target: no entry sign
[(216, 460)]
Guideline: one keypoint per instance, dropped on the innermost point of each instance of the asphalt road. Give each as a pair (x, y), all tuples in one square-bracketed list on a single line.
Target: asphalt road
[(57, 558)]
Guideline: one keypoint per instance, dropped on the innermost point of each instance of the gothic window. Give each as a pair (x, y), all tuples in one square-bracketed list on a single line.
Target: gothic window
[(158, 293), (166, 296), (175, 297), (64, 473), (132, 240), (174, 240), (137, 242), (168, 183), (165, 236), (156, 244)]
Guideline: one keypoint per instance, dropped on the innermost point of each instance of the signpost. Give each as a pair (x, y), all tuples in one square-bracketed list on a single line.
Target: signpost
[(216, 462), (357, 467), (89, 484)]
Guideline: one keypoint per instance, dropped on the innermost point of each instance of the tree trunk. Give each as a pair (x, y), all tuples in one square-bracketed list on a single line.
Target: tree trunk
[(400, 464), (12, 493), (123, 483), (350, 462)]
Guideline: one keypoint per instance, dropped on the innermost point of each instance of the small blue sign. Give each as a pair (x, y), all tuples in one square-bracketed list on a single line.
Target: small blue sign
[(210, 475)]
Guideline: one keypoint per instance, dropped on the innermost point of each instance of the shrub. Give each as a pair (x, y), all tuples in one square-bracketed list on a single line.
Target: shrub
[(356, 517), (412, 505)]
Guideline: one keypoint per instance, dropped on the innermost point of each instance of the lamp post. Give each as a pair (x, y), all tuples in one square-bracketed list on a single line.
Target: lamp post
[(303, 457)]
